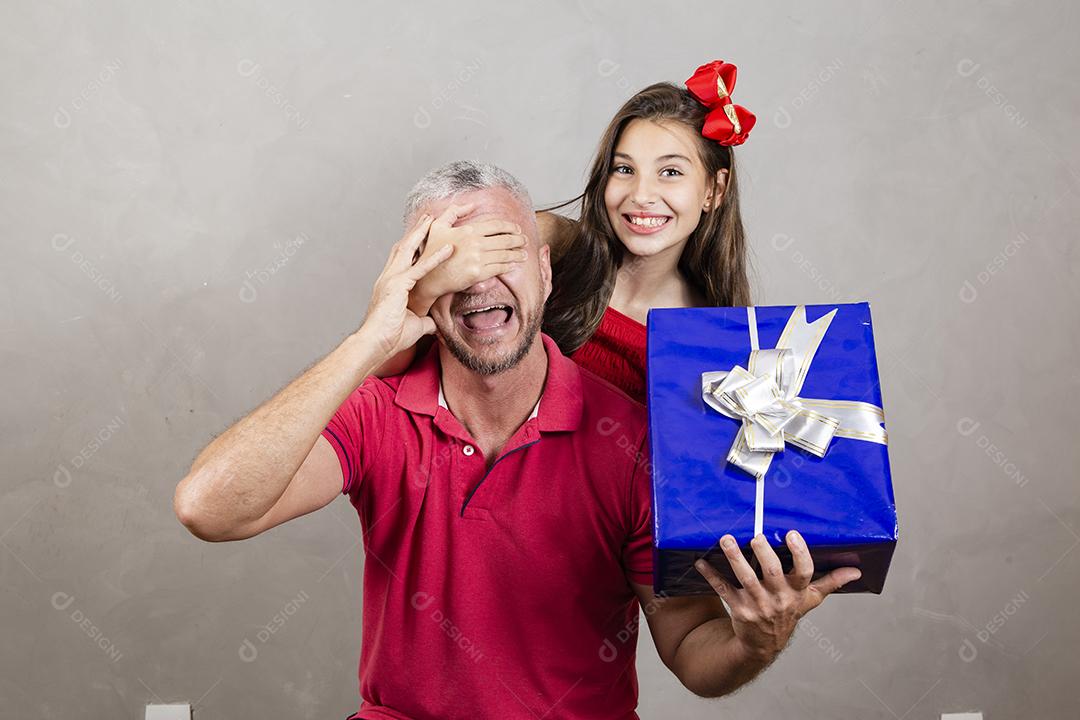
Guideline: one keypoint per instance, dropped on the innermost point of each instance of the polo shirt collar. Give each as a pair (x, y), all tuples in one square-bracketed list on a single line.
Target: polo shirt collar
[(442, 401), (559, 406)]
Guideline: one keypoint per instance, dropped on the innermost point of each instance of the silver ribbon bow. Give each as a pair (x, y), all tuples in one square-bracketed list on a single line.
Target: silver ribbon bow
[(764, 396)]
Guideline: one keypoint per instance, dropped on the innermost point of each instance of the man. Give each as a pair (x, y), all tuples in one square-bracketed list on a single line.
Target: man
[(503, 493)]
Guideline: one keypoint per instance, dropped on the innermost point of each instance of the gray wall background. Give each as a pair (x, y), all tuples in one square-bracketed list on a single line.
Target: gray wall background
[(197, 197)]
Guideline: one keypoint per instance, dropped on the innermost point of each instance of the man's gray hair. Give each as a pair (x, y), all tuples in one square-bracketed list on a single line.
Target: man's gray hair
[(461, 176)]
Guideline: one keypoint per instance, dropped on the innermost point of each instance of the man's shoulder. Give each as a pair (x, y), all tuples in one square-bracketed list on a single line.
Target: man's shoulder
[(381, 385), (380, 390)]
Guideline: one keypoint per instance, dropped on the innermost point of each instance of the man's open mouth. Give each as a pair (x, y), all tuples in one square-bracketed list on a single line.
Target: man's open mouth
[(487, 317)]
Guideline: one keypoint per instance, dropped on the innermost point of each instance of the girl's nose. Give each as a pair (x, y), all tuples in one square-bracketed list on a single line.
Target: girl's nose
[(643, 193)]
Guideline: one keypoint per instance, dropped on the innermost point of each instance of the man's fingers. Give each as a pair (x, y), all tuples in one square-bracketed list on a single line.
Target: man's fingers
[(721, 586), (803, 570), (407, 249), (772, 572), (426, 265), (824, 586), (745, 574), (454, 213)]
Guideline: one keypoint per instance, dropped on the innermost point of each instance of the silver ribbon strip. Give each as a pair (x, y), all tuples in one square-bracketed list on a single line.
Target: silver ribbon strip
[(764, 396)]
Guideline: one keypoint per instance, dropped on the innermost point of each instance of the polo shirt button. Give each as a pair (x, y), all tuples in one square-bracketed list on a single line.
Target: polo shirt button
[(468, 450)]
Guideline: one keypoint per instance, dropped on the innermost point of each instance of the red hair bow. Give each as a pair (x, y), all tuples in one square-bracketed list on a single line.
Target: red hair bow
[(727, 123)]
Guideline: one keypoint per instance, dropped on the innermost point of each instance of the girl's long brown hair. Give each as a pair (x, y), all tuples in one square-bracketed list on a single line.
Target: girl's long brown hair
[(713, 261)]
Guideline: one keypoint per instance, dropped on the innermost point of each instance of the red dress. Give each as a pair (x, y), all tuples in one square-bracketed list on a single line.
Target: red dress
[(616, 352)]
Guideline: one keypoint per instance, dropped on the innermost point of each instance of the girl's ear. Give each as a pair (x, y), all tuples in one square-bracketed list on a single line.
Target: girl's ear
[(718, 190)]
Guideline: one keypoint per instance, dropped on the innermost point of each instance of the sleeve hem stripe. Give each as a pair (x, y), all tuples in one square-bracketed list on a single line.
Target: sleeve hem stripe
[(348, 461)]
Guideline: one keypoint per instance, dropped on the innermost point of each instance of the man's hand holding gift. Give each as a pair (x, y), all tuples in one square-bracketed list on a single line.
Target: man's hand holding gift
[(764, 612), (712, 651)]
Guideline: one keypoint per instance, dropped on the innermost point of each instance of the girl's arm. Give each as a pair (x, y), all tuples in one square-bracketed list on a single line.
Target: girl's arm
[(556, 231)]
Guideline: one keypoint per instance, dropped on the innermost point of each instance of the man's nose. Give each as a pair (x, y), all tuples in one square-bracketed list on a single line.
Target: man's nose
[(482, 286)]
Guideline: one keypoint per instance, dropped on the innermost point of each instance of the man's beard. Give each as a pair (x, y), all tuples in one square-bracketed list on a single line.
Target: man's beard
[(464, 354)]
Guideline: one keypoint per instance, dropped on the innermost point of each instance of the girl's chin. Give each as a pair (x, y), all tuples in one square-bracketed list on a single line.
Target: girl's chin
[(645, 247)]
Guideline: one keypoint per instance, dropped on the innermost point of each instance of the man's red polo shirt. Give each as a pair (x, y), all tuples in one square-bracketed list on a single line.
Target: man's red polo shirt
[(499, 594)]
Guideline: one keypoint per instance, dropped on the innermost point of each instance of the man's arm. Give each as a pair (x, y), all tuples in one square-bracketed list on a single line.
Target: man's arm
[(273, 465), (712, 652), (695, 640), (242, 475)]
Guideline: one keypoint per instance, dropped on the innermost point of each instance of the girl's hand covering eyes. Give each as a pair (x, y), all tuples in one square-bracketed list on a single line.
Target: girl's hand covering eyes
[(481, 250)]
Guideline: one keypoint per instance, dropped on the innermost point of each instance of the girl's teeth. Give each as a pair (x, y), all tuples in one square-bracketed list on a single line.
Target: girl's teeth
[(648, 222)]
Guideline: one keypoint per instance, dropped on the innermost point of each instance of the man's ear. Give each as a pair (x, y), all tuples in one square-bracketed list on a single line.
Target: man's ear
[(545, 269)]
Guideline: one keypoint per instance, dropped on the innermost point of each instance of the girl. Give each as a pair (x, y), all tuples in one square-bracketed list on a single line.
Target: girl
[(660, 225)]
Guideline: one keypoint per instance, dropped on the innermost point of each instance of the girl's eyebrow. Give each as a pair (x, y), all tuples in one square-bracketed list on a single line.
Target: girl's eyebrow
[(661, 158)]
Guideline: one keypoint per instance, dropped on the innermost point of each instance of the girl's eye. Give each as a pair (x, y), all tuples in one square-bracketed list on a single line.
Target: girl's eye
[(673, 170), (618, 169)]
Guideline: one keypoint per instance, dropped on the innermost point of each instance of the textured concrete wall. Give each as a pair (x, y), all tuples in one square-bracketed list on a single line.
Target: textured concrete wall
[(196, 198)]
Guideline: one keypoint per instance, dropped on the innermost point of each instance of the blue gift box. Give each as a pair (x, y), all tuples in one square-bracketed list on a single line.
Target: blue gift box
[(842, 502)]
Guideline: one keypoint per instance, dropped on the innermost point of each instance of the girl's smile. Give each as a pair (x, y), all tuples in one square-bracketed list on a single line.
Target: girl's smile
[(644, 223)]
